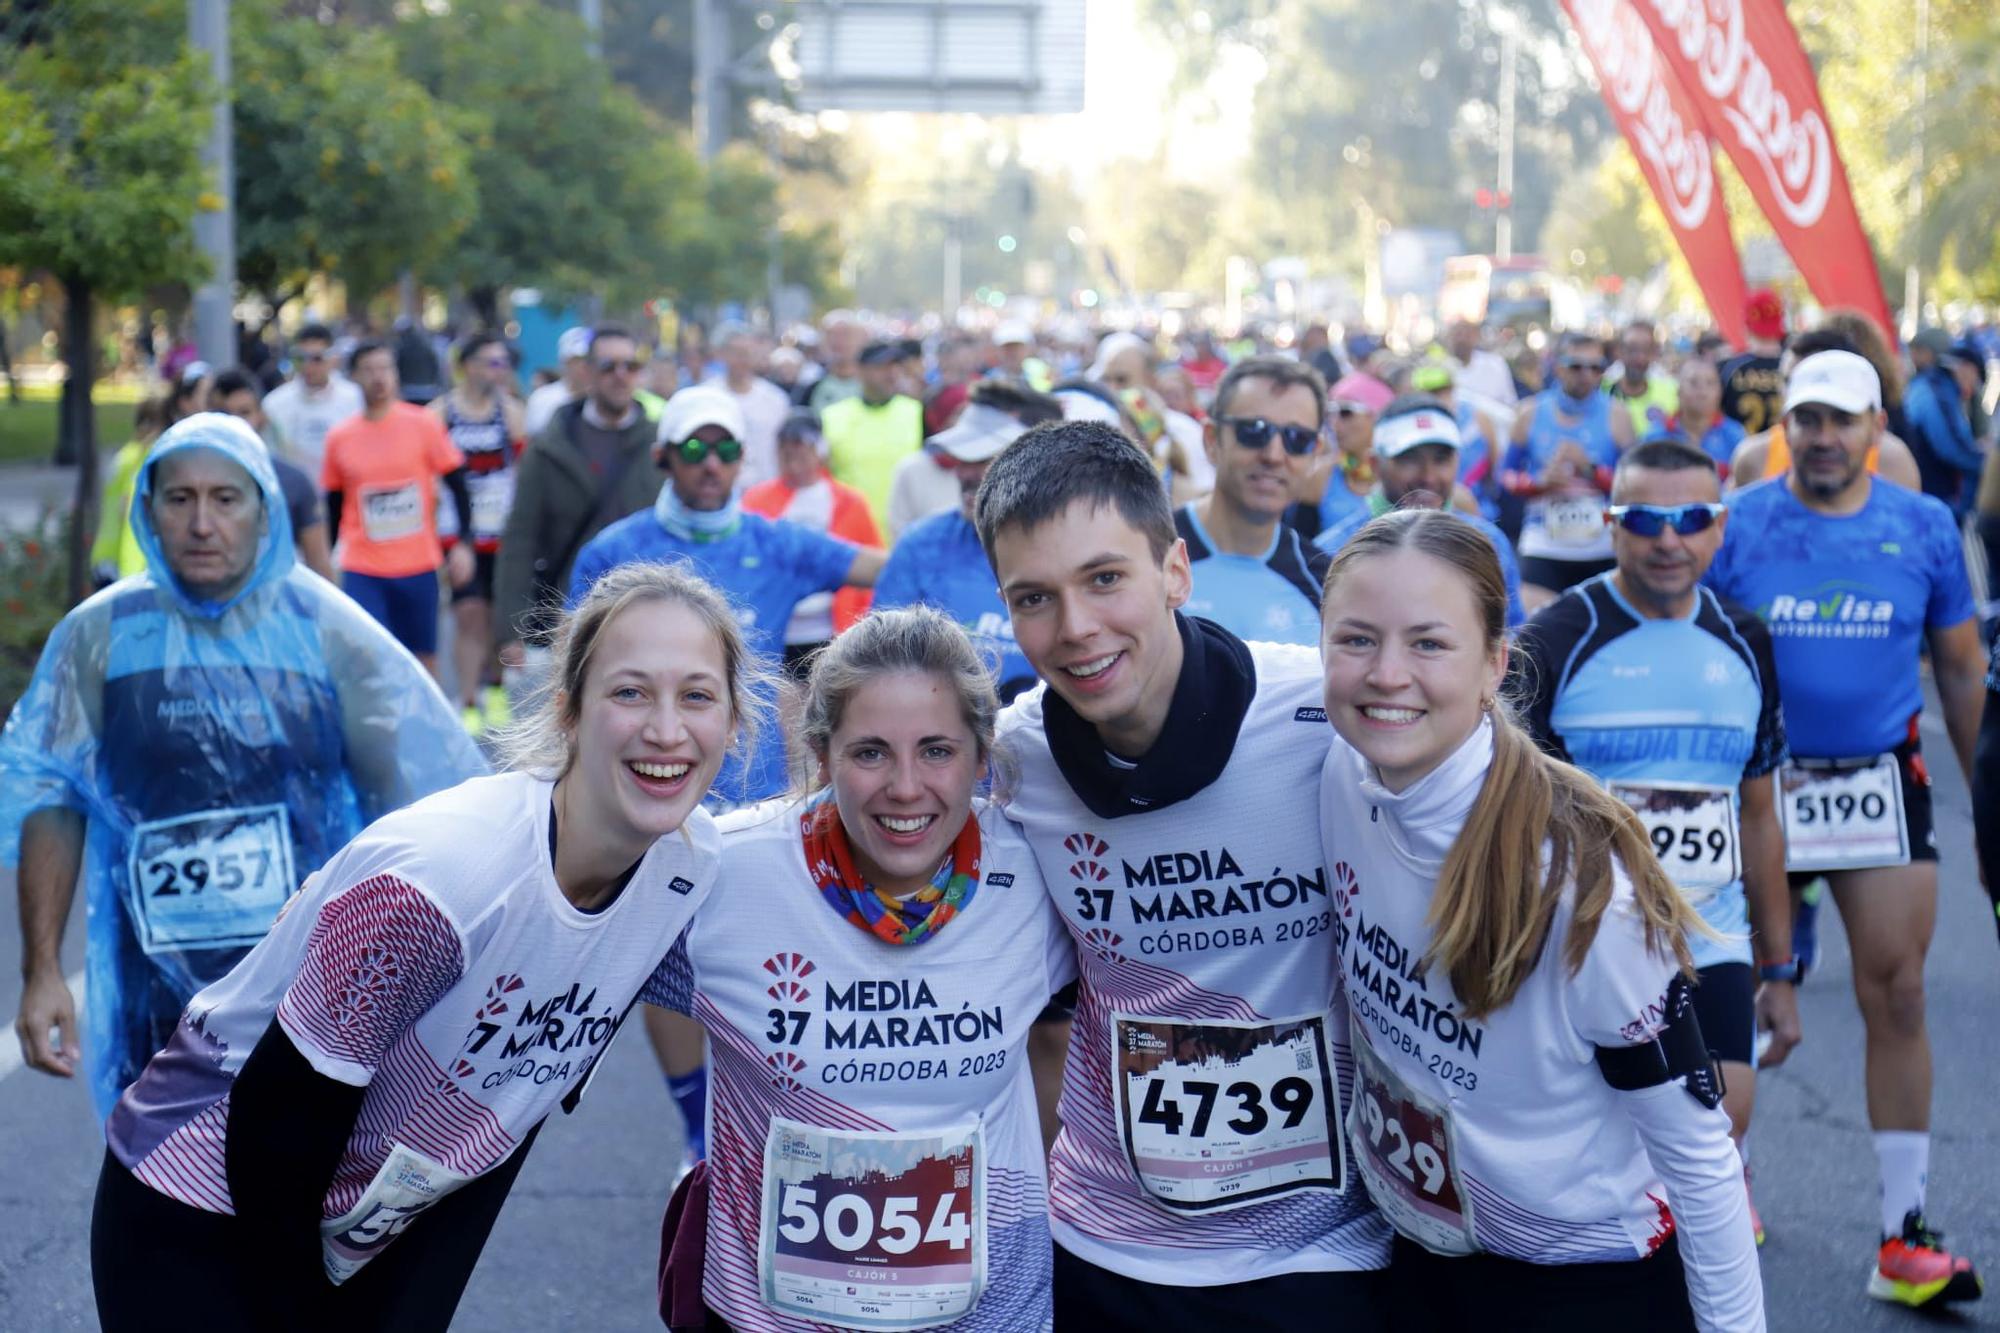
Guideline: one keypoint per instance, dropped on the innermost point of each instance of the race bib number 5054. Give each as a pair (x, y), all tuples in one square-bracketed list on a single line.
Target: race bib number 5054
[(875, 1231), (1217, 1115)]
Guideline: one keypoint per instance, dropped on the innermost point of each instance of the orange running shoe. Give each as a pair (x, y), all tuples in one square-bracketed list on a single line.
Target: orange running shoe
[(1916, 1270)]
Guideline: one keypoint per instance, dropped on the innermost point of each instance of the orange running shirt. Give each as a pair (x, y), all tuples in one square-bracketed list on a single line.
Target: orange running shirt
[(1778, 454), (387, 474)]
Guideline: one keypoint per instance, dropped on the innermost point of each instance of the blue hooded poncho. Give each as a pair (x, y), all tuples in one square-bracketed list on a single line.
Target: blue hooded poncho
[(219, 751)]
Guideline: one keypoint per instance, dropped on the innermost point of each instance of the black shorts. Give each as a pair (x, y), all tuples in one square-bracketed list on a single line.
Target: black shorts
[(1986, 796), (1725, 1003), (1918, 816), (1434, 1294), (480, 586), (1561, 575), (1090, 1299)]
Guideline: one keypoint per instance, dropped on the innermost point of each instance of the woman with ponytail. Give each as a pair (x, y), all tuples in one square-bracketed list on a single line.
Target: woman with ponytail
[(1535, 1110)]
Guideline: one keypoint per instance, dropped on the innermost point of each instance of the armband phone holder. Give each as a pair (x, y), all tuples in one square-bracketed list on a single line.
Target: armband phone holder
[(1676, 1052)]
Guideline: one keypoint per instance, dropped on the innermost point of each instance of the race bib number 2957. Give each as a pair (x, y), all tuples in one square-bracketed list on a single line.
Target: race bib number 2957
[(1217, 1115)]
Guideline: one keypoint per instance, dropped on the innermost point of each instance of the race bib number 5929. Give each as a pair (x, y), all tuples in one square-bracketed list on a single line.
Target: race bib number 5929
[(1216, 1115)]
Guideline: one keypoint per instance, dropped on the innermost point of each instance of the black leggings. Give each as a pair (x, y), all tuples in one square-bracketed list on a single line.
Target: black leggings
[(1090, 1299), (1434, 1294), (160, 1265), (1986, 799)]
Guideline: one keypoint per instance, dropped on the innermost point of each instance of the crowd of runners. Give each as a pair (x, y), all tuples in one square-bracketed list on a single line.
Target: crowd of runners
[(1102, 830)]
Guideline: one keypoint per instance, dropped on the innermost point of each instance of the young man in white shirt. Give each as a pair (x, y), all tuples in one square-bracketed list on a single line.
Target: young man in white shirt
[(314, 401)]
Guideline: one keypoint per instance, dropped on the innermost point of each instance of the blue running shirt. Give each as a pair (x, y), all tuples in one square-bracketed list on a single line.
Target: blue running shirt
[(1273, 597), (939, 562), (1848, 600), (1633, 700)]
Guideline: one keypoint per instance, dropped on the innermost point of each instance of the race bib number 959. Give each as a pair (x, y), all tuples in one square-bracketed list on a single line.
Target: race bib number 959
[(1216, 1115), (875, 1231), (1693, 830)]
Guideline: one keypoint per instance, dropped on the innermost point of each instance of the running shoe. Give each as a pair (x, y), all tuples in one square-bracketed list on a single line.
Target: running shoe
[(1915, 1269), (1805, 926)]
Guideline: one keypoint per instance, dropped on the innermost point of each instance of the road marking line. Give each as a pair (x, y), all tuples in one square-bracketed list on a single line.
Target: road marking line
[(11, 1058)]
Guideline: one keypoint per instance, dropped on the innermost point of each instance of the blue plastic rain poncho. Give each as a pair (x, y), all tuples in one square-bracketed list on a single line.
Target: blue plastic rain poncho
[(220, 752)]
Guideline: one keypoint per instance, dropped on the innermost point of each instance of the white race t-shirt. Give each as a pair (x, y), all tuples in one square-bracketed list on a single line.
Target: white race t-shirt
[(1500, 1134), (765, 408), (875, 1157), (435, 962), (1208, 1065), (543, 404), (303, 416)]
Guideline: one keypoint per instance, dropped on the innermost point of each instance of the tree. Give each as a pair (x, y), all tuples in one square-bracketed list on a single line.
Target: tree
[(344, 166), (576, 179), (102, 116)]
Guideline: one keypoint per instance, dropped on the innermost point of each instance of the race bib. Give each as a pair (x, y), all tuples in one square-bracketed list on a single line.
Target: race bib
[(492, 499), (389, 512), (408, 1183), (1693, 829), (1403, 1141), (1844, 818), (214, 880), (1217, 1115), (878, 1231), (1574, 520)]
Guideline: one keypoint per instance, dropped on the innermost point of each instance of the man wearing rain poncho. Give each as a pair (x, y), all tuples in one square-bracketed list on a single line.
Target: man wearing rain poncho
[(197, 740)]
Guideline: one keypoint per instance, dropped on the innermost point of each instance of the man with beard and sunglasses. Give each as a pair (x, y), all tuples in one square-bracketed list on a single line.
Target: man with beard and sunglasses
[(1855, 576), (1253, 574), (1697, 761)]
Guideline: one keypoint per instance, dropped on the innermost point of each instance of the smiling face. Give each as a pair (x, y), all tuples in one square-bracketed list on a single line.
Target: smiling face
[(1092, 609), (705, 485), (1260, 483), (652, 723), (1407, 662), (902, 765), (209, 515)]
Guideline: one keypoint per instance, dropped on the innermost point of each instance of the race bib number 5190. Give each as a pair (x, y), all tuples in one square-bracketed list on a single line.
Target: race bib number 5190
[(1216, 1115)]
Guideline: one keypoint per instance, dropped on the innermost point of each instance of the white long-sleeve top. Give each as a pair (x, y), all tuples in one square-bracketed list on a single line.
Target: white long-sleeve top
[(1499, 1134)]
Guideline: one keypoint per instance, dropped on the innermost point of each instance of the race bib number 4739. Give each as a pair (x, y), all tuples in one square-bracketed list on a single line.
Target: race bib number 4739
[(872, 1231), (1217, 1115)]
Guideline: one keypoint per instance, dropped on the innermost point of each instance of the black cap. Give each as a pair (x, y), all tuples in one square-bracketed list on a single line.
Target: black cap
[(802, 423), (881, 353)]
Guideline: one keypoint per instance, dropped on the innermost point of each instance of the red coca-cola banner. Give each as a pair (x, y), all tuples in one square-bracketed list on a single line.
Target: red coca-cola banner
[(1667, 133), (1742, 61)]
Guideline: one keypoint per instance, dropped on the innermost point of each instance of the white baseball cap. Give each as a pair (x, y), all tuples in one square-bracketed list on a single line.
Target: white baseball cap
[(1397, 435), (1840, 380), (700, 405), (573, 344), (980, 433), (1013, 331)]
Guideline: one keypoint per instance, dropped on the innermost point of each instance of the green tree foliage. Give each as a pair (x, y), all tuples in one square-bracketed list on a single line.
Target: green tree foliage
[(102, 113), (344, 166), (576, 180)]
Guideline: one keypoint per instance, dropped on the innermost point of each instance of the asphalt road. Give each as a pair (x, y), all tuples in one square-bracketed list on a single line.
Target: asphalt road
[(576, 1245)]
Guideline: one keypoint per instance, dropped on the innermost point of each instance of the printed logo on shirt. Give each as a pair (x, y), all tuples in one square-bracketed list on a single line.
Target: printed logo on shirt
[(1309, 715), (999, 880), (818, 1020), (1834, 611), (1201, 885), (680, 885), (1388, 991), (554, 1041)]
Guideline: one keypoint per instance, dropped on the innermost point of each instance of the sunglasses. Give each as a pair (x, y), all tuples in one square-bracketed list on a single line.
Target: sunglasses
[(1349, 410), (1255, 433), (693, 450), (496, 363), (314, 357), (629, 367), (1652, 520), (1588, 367)]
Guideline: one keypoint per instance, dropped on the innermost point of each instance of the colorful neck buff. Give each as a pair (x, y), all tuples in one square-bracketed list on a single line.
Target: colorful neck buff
[(1357, 468), (910, 920), (696, 525)]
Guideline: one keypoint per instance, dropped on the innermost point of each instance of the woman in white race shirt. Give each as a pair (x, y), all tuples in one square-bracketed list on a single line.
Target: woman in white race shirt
[(868, 983), (329, 1135), (1535, 1111)]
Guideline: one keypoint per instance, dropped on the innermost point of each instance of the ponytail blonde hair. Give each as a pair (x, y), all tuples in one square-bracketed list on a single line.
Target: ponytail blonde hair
[(1538, 826)]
